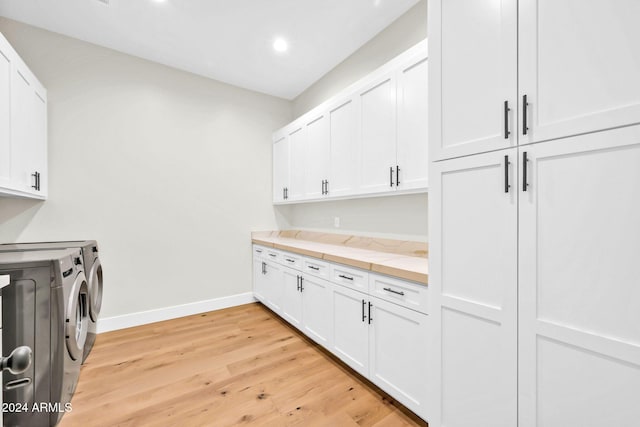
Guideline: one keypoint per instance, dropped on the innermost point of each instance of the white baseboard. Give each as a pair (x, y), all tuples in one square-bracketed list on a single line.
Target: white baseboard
[(144, 317)]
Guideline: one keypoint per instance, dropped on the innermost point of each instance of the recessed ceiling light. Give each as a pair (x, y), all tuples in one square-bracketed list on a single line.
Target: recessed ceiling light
[(280, 45)]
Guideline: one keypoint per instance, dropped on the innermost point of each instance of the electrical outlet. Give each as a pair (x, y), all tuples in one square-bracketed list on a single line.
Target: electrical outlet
[(336, 221)]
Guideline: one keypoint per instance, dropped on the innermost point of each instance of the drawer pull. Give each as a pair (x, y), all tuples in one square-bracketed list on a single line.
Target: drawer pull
[(313, 268), (345, 277), (290, 260), (273, 255), (259, 251), (393, 291)]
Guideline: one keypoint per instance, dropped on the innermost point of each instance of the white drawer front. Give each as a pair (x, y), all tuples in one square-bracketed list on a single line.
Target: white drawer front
[(350, 277), (272, 255), (406, 294), (259, 251), (316, 267), (291, 260)]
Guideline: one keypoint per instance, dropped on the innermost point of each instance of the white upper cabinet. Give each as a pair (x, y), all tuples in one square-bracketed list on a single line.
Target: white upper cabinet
[(280, 166), (316, 156), (5, 114), (297, 149), (23, 128), (377, 102), (473, 46), (343, 163), (581, 81), (371, 139), (412, 147)]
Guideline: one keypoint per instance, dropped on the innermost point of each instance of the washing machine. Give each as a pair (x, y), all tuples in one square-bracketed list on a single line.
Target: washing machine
[(93, 271), (44, 307)]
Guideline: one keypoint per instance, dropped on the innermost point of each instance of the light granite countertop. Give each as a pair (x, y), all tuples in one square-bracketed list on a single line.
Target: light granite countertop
[(395, 263)]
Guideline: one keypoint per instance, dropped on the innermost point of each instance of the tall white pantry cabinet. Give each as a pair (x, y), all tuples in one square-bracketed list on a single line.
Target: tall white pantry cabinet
[(534, 213)]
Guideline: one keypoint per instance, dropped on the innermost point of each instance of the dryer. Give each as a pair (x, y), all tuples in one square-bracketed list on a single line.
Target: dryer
[(44, 307), (93, 271)]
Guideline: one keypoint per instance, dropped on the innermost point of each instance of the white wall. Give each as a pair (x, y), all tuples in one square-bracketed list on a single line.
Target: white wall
[(402, 217), (404, 32), (167, 170)]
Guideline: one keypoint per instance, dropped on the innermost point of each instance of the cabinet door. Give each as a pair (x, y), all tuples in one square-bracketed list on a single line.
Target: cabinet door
[(398, 354), (259, 280), (473, 71), (39, 135), (298, 147), (473, 290), (377, 119), (5, 113), (274, 286), (316, 156), (582, 81), (280, 167), (23, 147), (291, 297), (343, 134), (317, 310), (351, 328), (412, 124), (579, 310)]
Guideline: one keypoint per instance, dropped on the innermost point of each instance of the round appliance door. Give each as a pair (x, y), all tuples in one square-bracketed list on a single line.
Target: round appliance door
[(76, 324), (95, 289)]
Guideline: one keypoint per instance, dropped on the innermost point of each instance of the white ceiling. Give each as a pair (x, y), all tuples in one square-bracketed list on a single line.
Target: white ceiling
[(227, 40)]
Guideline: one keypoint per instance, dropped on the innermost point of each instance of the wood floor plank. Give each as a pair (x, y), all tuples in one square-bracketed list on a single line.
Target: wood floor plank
[(238, 366)]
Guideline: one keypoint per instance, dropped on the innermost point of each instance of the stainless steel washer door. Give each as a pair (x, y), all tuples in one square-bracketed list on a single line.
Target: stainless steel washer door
[(77, 321), (95, 289)]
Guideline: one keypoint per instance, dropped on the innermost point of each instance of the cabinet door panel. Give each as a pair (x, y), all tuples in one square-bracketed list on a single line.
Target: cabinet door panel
[(274, 287), (583, 81), (343, 134), (473, 290), (473, 49), (317, 310), (298, 146), (259, 280), (5, 114), (316, 156), (22, 144), (378, 134), (39, 136), (350, 328), (412, 124), (579, 311), (291, 297), (398, 353), (280, 167)]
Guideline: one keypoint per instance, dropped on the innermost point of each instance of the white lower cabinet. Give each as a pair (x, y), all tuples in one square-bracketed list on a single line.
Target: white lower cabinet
[(291, 296), (317, 310), (398, 353), (534, 273), (259, 279), (579, 313), (272, 286), (375, 324), (350, 328)]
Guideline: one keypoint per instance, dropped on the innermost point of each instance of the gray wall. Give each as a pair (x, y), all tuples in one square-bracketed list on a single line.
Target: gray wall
[(169, 171), (403, 217)]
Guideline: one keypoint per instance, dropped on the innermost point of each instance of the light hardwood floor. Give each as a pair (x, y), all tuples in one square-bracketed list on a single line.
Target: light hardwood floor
[(242, 365)]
